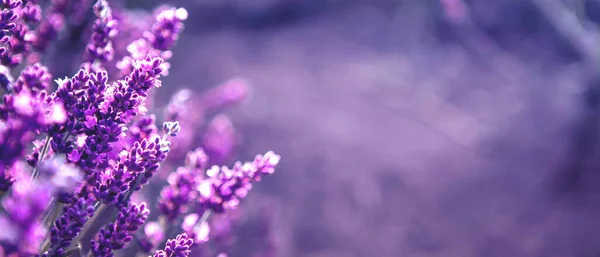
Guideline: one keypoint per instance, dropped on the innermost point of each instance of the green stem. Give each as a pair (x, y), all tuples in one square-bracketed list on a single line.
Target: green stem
[(49, 216), (100, 209), (72, 251), (43, 153), (203, 219)]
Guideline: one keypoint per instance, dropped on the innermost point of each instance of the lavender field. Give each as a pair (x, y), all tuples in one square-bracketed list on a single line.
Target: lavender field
[(450, 128)]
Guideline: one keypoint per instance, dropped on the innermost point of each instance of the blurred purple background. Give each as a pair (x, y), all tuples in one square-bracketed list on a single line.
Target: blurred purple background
[(411, 127)]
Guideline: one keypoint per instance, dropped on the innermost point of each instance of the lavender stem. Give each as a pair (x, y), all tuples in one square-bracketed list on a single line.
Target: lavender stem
[(45, 149)]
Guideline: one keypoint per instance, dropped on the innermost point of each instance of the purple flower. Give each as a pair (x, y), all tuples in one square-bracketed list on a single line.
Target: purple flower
[(115, 235), (162, 36), (22, 208), (98, 114), (5, 78), (48, 31), (141, 161), (68, 225), (31, 13), (64, 177), (8, 16), (219, 139), (10, 31), (178, 247), (231, 92), (23, 115), (34, 77), (165, 32), (153, 235), (171, 128), (143, 128), (175, 198), (199, 232), (104, 30), (224, 187)]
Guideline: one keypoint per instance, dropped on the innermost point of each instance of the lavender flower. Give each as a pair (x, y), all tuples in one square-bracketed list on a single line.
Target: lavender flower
[(165, 32), (8, 16), (219, 139), (224, 187), (199, 232), (99, 112), (178, 247), (31, 13), (115, 235), (5, 78), (9, 27), (34, 77), (161, 37), (68, 226), (143, 128), (52, 23), (141, 161), (95, 146), (175, 198), (64, 177), (20, 221), (153, 235), (100, 47), (23, 115)]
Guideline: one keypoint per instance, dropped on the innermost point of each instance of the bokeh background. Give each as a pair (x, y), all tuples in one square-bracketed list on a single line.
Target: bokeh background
[(410, 127)]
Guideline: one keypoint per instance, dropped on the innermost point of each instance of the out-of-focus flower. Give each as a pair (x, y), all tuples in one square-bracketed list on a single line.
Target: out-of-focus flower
[(219, 138), (48, 30), (34, 77), (9, 29), (63, 176), (22, 208), (100, 48), (31, 13), (5, 78), (178, 247), (199, 232), (22, 115), (157, 41), (224, 187), (175, 198), (153, 235), (231, 92)]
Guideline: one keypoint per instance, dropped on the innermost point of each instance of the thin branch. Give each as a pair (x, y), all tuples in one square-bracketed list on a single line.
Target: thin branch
[(570, 27)]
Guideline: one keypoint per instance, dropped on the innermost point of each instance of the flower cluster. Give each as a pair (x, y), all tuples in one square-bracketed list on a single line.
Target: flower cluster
[(100, 48), (180, 246), (224, 187), (176, 198), (78, 153), (158, 40), (115, 235)]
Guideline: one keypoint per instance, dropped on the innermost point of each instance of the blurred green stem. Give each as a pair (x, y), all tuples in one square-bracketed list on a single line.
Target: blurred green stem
[(43, 153)]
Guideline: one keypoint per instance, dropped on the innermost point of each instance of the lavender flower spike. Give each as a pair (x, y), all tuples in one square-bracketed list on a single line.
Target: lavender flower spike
[(165, 31), (8, 29), (175, 198), (225, 187), (100, 49), (178, 247), (69, 225), (115, 235)]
